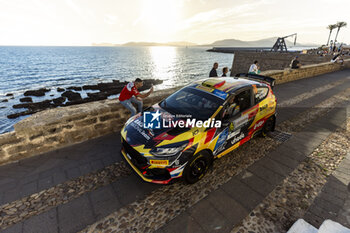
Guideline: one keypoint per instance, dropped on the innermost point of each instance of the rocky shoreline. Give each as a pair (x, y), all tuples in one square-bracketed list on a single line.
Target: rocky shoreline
[(70, 96)]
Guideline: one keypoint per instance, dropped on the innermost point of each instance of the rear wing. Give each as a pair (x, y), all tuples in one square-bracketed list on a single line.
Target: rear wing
[(258, 78)]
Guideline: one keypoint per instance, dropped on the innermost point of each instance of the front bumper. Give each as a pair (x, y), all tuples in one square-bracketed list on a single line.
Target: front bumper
[(140, 166)]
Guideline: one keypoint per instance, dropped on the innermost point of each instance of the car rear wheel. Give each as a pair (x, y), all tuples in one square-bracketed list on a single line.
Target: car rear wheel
[(268, 126), (197, 167)]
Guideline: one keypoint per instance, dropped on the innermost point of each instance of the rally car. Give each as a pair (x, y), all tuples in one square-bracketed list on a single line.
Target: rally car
[(184, 133)]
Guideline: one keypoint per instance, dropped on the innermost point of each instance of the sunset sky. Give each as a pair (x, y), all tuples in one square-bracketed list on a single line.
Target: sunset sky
[(82, 22)]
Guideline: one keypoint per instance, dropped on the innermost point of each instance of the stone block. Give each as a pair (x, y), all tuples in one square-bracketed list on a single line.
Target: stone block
[(104, 201), (108, 117), (10, 138), (2, 153), (85, 122), (182, 223), (75, 118), (67, 126), (45, 222), (242, 193), (18, 148), (39, 134), (230, 208), (78, 135), (4, 157), (75, 215)]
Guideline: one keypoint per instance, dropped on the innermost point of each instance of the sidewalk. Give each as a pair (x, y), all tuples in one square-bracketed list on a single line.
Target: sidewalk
[(334, 200), (41, 172)]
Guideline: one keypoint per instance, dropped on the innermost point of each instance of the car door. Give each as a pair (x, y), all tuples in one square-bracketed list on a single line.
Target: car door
[(239, 123), (262, 104)]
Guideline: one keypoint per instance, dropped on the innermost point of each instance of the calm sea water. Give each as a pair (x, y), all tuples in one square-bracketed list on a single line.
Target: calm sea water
[(23, 68)]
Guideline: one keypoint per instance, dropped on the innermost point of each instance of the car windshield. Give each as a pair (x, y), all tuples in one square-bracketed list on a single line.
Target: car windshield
[(190, 101)]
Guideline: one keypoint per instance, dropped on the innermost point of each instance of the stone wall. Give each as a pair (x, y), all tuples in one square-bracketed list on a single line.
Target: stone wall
[(59, 127), (271, 60), (56, 128), (288, 75)]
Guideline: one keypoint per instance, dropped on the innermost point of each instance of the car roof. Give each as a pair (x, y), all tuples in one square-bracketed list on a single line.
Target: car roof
[(228, 84)]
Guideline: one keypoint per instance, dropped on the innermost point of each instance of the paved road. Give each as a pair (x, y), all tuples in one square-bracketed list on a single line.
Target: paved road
[(236, 198), (334, 200)]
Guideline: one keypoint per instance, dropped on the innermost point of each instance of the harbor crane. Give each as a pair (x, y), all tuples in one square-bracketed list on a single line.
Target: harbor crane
[(280, 44)]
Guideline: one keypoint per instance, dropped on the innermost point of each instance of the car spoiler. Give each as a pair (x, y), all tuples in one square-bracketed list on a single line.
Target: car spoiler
[(258, 78)]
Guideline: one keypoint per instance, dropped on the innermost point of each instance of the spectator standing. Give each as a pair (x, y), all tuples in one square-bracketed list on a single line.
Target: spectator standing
[(295, 64), (224, 71), (334, 47), (213, 72), (130, 94), (254, 68), (330, 47)]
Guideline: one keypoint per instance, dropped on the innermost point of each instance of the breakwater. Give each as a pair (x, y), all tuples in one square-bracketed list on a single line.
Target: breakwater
[(271, 60)]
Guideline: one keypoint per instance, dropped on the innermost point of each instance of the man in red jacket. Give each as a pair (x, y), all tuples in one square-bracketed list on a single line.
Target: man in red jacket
[(130, 94)]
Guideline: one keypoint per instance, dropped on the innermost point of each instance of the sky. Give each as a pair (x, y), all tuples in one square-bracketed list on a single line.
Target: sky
[(83, 22)]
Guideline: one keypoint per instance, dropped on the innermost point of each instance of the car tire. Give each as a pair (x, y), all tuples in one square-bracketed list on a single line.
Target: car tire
[(197, 167), (268, 126)]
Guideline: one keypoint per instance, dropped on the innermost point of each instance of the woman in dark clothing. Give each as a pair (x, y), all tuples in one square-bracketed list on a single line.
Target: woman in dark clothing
[(213, 70), (224, 71)]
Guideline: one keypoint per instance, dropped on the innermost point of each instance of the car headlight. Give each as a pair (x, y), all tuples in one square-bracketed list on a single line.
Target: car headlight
[(130, 120), (167, 151)]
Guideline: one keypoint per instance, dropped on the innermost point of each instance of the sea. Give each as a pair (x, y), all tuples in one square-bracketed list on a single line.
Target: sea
[(25, 68)]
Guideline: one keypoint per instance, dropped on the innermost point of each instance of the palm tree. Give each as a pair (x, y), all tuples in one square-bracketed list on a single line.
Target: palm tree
[(339, 25), (330, 27)]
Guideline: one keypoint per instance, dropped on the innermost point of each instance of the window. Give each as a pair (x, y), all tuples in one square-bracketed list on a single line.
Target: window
[(261, 94), (237, 104), (191, 101), (244, 100)]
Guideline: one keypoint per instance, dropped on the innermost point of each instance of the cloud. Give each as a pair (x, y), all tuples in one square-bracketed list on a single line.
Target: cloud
[(79, 11), (110, 19), (139, 19), (222, 16)]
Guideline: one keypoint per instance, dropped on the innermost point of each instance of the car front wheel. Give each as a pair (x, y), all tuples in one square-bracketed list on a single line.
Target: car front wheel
[(196, 167), (268, 126)]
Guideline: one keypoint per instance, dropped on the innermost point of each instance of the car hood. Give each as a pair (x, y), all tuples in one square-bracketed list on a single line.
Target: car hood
[(136, 134)]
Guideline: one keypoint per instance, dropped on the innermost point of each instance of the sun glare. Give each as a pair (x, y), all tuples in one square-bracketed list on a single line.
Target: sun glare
[(163, 62)]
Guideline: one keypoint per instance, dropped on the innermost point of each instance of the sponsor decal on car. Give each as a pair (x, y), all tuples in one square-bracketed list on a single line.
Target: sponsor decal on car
[(204, 88), (234, 133), (159, 162), (138, 126), (264, 107), (237, 138), (258, 124), (220, 94), (240, 121), (220, 143)]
